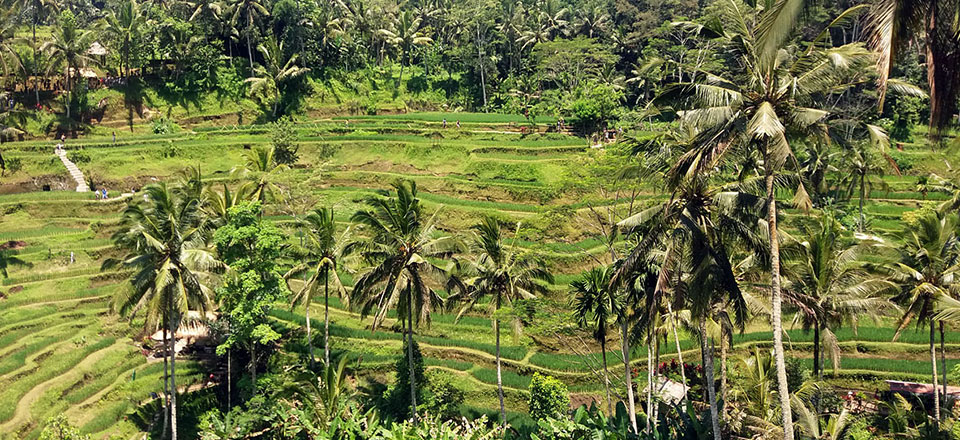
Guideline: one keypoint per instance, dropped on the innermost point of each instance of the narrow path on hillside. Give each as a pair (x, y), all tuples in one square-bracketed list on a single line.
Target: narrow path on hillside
[(75, 172), (23, 406), (83, 407)]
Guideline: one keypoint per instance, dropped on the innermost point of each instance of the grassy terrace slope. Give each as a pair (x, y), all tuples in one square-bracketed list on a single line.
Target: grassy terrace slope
[(62, 351)]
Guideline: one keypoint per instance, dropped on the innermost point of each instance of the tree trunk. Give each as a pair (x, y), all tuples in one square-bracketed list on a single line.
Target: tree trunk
[(933, 365), (253, 369), (36, 82), (503, 412), (863, 190), (628, 376), (706, 352), (326, 318), (400, 79), (483, 84), (649, 389), (69, 91), (166, 376), (249, 46), (943, 360), (229, 379), (775, 315), (816, 351), (309, 335), (174, 320), (413, 378), (723, 375), (606, 375), (676, 337)]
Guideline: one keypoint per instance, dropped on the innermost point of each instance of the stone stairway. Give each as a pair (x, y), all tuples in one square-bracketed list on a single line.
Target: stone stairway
[(75, 172)]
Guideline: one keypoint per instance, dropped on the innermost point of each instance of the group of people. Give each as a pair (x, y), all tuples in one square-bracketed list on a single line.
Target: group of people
[(445, 123), (102, 194)]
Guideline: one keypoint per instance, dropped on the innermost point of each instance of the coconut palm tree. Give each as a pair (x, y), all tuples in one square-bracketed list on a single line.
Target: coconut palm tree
[(320, 258), (405, 34), (260, 169), (830, 286), (894, 24), (502, 274), (39, 11), (250, 11), (68, 47), (835, 427), (403, 246), (596, 304), (269, 80), (777, 97), (123, 23), (9, 59), (926, 270), (865, 172), (165, 237)]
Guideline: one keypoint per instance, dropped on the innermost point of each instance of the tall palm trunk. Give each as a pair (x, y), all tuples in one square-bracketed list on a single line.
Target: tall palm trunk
[(628, 376), (249, 46), (706, 352), (676, 337), (943, 57), (943, 360), (253, 369), (69, 90), (863, 189), (309, 335), (503, 412), (326, 317), (36, 82), (649, 388), (776, 299), (174, 319), (606, 374), (410, 367), (723, 375), (933, 365), (816, 351), (229, 379), (166, 376)]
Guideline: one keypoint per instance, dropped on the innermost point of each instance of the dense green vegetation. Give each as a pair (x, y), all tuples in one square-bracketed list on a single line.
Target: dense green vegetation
[(479, 220)]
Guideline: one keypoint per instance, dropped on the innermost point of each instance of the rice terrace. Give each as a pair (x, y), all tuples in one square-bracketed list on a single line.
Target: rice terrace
[(531, 219)]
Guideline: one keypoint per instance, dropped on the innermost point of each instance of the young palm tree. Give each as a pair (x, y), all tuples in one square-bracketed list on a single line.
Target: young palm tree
[(831, 287), (9, 60), (268, 80), (405, 34), (402, 245), (865, 173), (927, 270), (321, 257), (123, 23), (260, 168), (166, 243), (781, 91), (894, 24), (68, 47), (595, 301), (502, 274)]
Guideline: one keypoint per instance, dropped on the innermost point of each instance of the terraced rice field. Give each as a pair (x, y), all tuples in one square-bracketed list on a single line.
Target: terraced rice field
[(62, 350)]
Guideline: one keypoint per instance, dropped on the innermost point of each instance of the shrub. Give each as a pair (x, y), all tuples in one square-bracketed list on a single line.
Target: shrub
[(443, 398), (548, 397), (163, 126), (78, 157), (397, 397), (797, 373), (283, 136), (12, 165), (58, 428)]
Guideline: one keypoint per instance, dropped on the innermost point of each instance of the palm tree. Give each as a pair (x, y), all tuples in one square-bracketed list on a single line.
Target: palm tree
[(504, 275), (830, 286), (781, 91), (68, 47), (835, 427), (124, 23), (402, 244), (268, 80), (40, 9), (165, 237), (865, 172), (321, 256), (926, 270), (893, 24), (406, 34), (325, 398), (8, 31), (595, 301), (260, 168), (251, 10)]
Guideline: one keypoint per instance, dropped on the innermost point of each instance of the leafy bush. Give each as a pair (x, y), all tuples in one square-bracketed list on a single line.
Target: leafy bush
[(397, 397), (78, 157), (904, 162), (59, 428), (163, 126), (797, 373), (548, 397), (442, 399), (12, 165), (283, 136)]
